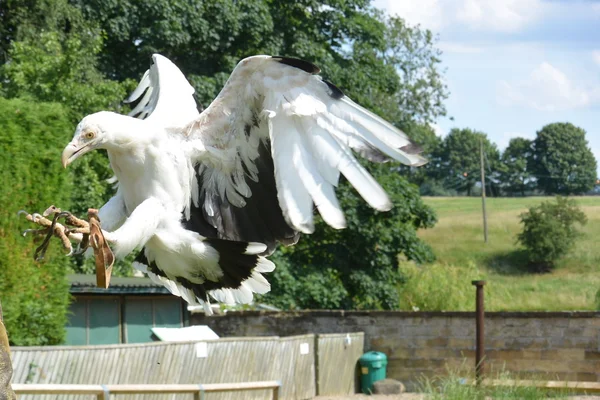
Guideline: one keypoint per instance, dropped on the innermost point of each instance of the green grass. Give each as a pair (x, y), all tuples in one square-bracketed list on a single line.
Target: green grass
[(457, 240), (454, 386)]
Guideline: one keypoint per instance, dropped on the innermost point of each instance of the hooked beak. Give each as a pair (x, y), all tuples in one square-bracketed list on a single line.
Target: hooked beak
[(72, 152)]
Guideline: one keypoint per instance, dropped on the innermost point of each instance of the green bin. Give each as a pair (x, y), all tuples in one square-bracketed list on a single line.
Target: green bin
[(372, 369)]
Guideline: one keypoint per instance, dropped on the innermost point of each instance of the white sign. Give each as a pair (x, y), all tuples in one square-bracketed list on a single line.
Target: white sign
[(304, 349), (201, 350)]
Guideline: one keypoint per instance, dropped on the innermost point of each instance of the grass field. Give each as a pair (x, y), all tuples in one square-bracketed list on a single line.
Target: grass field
[(457, 240)]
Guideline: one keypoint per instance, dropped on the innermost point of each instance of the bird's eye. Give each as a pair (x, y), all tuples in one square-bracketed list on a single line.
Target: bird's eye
[(89, 135)]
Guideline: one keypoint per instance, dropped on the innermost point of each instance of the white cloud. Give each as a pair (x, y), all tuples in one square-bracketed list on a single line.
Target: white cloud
[(596, 56), (459, 48), (498, 15), (424, 12), (479, 15), (547, 89)]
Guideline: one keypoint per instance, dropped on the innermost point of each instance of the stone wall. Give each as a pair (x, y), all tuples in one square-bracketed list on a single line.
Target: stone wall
[(553, 346)]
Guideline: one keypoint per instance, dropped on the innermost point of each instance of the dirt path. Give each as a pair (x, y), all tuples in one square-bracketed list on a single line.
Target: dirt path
[(404, 396), (414, 396)]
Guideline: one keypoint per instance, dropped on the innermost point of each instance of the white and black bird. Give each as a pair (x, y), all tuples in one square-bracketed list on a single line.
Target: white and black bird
[(207, 196)]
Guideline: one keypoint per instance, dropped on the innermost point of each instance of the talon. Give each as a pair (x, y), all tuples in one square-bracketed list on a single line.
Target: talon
[(26, 231), (79, 251), (22, 212), (36, 216), (51, 210)]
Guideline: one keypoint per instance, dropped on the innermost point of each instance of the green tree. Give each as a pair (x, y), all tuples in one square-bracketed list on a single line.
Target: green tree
[(515, 176), (357, 267), (562, 161), (428, 175), (51, 64), (460, 160), (549, 232), (382, 63), (34, 296)]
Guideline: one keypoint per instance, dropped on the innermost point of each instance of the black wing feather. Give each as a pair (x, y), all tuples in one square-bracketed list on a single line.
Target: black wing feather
[(260, 220)]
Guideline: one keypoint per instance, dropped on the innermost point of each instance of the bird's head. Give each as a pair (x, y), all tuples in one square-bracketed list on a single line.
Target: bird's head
[(93, 132)]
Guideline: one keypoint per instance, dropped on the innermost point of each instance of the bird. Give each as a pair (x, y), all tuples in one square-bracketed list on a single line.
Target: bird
[(208, 196)]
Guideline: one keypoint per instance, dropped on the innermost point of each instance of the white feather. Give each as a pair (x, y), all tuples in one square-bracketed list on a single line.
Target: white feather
[(264, 265), (255, 248), (293, 197), (141, 87), (362, 181)]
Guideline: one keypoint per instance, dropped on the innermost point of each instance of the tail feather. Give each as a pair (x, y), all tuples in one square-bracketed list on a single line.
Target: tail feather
[(239, 277)]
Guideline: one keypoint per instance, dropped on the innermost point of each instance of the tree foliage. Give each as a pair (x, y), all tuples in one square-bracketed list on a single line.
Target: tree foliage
[(459, 159), (84, 54), (54, 60), (383, 63), (515, 176), (34, 296), (357, 267), (549, 232), (562, 161)]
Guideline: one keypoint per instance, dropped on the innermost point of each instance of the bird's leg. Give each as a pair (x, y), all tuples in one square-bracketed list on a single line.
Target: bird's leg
[(54, 228), (78, 229), (88, 234)]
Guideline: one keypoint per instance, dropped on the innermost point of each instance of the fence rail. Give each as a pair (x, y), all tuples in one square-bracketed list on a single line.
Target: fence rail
[(103, 392)]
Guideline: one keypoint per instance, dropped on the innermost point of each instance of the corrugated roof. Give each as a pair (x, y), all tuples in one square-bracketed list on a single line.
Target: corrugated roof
[(83, 283)]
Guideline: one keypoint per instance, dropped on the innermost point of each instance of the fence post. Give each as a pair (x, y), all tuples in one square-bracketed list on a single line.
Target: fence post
[(479, 332), (105, 395), (200, 394), (276, 391)]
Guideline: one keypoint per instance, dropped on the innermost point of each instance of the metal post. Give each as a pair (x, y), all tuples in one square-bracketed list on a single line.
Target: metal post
[(485, 229), (479, 332)]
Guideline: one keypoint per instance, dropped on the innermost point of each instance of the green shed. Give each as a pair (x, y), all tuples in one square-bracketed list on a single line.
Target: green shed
[(124, 313)]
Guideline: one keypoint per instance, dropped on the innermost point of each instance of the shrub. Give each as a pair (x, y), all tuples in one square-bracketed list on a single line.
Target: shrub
[(549, 232), (34, 296), (436, 188), (437, 287)]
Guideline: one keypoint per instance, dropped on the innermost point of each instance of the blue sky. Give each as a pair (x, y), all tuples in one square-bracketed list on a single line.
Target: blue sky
[(515, 65)]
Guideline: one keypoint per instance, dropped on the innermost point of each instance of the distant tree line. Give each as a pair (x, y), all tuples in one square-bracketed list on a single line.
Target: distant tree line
[(557, 162)]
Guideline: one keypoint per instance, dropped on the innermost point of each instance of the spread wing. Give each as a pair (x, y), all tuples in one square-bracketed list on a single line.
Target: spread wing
[(163, 95), (271, 147)]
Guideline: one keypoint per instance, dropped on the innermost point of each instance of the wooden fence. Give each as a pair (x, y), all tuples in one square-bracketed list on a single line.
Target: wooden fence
[(337, 357), (294, 361), (104, 392)]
